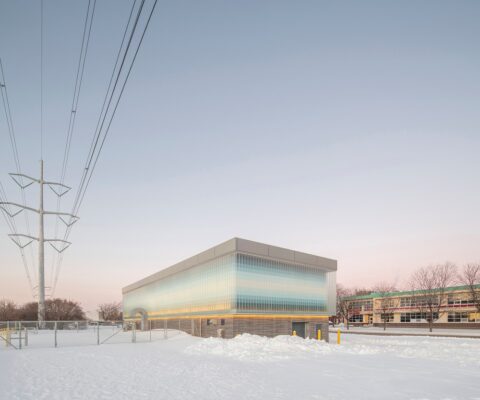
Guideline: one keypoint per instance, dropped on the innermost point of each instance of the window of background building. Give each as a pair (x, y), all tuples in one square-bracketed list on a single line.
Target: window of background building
[(416, 317), (459, 317), (356, 318), (388, 317), (458, 300)]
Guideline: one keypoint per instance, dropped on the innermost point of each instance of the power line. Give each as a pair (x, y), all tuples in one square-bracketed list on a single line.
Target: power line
[(117, 103), (41, 79), (85, 170), (13, 143), (108, 96), (13, 230), (87, 29), (93, 154)]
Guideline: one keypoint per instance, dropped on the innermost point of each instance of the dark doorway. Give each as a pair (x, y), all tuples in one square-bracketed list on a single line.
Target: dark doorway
[(299, 328)]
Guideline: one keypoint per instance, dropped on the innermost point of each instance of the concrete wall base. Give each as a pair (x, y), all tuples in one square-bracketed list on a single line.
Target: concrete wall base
[(231, 327)]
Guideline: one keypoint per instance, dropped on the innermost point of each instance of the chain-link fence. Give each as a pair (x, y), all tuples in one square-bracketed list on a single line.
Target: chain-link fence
[(20, 335)]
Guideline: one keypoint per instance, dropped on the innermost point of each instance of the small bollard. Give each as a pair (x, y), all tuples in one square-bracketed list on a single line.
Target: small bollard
[(319, 334), (294, 333), (338, 336)]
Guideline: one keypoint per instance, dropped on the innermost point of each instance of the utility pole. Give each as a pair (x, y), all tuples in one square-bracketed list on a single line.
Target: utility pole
[(41, 253), (59, 189)]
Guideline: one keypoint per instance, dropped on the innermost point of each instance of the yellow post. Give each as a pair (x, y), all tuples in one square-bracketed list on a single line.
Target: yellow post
[(319, 335), (294, 333), (5, 333), (338, 336)]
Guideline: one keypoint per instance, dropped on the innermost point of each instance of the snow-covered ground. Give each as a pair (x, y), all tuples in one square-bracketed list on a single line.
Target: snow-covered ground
[(247, 367), (408, 331)]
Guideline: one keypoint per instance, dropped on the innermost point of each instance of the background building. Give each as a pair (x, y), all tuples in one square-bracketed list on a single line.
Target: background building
[(407, 309), (238, 286)]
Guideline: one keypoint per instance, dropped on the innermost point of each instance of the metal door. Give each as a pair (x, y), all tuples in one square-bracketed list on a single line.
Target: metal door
[(299, 328)]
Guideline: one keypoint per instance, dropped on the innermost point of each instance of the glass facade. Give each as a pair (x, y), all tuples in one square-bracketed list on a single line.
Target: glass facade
[(236, 283), (204, 289), (270, 286)]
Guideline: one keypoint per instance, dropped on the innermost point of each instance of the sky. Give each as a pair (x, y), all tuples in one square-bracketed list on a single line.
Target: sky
[(345, 129)]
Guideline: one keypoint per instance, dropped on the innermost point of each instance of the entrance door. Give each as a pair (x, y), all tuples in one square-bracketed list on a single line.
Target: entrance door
[(299, 328), (318, 327)]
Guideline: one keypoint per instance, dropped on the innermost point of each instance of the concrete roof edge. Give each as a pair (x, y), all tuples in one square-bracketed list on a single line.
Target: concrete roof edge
[(237, 245)]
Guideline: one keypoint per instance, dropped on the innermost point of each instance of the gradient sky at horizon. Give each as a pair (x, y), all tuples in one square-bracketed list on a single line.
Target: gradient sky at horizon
[(346, 129)]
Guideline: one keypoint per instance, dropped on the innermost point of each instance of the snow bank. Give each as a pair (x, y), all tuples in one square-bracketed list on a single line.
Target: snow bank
[(259, 348), (248, 347)]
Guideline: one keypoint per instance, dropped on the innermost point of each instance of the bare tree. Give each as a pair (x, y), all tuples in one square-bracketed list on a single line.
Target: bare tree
[(56, 310), (429, 286), (361, 291), (344, 306), (8, 310), (28, 312), (63, 310), (385, 302), (110, 311), (470, 277)]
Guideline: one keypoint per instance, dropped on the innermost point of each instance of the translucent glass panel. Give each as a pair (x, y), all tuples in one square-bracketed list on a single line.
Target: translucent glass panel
[(237, 283), (268, 286), (204, 289)]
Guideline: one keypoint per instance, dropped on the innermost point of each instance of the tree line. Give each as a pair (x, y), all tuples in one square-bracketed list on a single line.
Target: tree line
[(57, 310), (428, 287)]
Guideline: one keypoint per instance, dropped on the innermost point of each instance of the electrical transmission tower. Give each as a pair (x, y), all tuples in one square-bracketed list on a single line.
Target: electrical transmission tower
[(58, 245)]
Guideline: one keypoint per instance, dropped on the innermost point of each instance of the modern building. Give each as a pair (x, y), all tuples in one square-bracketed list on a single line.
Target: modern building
[(405, 309), (236, 287)]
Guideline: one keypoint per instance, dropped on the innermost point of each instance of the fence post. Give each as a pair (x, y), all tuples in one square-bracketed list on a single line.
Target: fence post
[(150, 323), (55, 333), (26, 337), (19, 339), (98, 333)]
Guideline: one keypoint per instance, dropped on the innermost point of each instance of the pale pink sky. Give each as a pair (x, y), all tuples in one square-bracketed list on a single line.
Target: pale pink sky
[(344, 129)]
